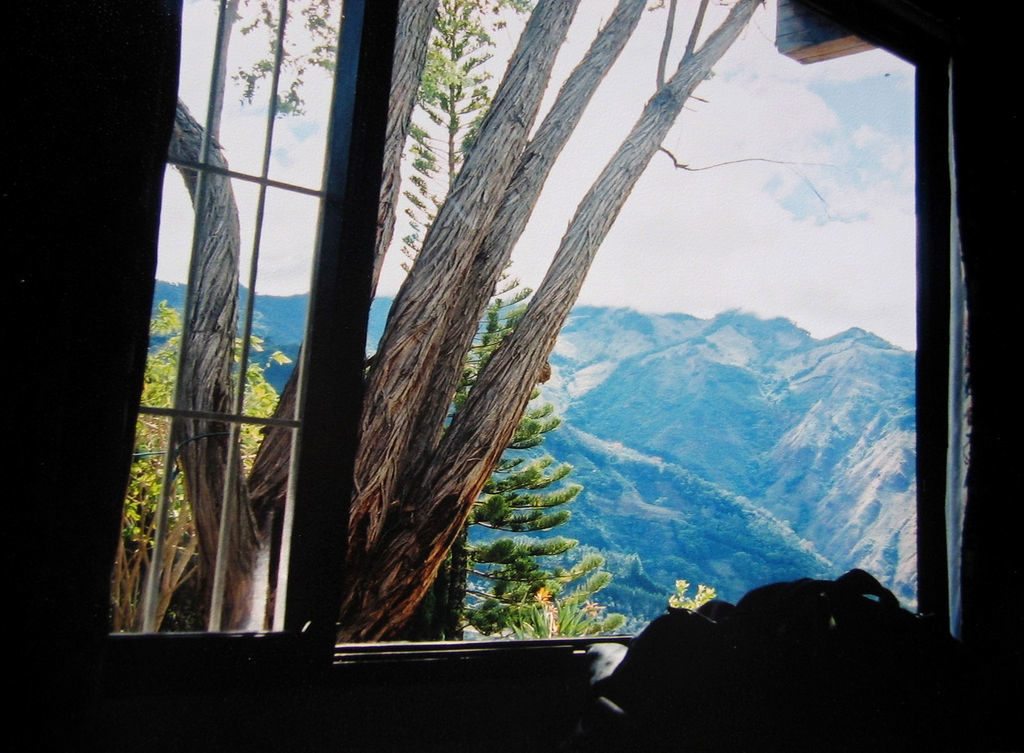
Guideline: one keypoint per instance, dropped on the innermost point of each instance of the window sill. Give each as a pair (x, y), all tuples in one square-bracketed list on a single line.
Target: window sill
[(201, 662)]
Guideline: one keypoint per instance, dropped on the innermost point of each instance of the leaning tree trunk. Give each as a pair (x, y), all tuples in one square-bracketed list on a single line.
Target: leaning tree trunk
[(207, 354), (421, 499), (439, 379), (415, 21), (268, 479), (474, 441), (520, 197), (401, 419)]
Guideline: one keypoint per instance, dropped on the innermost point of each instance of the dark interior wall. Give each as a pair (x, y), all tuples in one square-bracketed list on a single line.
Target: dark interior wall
[(987, 136), (212, 696), (82, 177), (90, 107)]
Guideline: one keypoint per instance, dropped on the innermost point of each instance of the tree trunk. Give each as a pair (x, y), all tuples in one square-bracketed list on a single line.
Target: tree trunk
[(268, 479), (519, 199), (422, 501), (415, 21), (521, 195), (206, 353), (401, 419), (475, 438)]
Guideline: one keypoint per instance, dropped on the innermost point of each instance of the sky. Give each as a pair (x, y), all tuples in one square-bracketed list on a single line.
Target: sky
[(818, 225)]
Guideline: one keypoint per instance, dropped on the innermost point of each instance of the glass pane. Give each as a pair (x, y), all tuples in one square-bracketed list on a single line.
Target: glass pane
[(300, 133), (246, 59), (282, 293), (177, 594), (212, 561)]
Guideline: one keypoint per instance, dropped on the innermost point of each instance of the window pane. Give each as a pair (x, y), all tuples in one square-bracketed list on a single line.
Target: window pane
[(176, 607), (207, 497)]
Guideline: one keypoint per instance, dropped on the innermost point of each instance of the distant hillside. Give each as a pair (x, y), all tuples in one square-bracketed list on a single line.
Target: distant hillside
[(279, 320), (816, 434), (733, 451)]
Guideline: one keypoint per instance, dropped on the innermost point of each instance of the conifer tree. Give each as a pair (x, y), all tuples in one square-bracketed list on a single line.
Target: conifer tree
[(524, 585), (511, 580)]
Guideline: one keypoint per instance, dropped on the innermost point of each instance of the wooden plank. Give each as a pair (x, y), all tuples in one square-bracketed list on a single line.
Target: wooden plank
[(807, 36)]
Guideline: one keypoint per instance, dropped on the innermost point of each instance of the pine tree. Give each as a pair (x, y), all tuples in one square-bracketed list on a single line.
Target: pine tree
[(503, 585), (454, 95)]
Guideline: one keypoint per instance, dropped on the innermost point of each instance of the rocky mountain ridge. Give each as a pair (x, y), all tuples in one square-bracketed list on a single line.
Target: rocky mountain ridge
[(817, 434)]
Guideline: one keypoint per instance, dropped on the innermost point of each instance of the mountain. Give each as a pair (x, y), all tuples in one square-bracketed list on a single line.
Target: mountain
[(732, 451), (816, 435), (280, 321)]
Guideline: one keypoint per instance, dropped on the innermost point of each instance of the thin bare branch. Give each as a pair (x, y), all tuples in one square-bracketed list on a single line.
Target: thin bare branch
[(791, 165), (666, 43), (698, 22), (683, 166)]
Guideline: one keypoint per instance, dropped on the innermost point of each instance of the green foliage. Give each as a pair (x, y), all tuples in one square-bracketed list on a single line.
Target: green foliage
[(260, 398), (512, 499), (453, 99), (148, 469), (576, 614), (679, 600), (526, 586), (313, 48), (139, 513)]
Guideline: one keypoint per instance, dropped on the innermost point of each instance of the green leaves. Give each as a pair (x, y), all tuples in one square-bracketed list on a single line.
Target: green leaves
[(148, 471), (679, 600), (314, 48)]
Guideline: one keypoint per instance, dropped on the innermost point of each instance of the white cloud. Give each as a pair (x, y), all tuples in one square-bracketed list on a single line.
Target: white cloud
[(827, 240)]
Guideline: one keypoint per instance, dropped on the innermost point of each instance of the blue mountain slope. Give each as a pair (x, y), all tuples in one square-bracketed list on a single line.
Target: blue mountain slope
[(817, 433), (732, 451)]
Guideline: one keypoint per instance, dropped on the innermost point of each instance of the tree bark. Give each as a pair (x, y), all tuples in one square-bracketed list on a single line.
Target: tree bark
[(268, 480), (207, 352), (520, 196), (415, 21), (523, 191), (482, 426), (406, 523), (401, 418)]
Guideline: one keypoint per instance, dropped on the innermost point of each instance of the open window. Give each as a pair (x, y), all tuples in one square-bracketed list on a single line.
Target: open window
[(270, 481)]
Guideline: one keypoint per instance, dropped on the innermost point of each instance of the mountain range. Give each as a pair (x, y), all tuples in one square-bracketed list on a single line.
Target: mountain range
[(737, 451), (732, 451)]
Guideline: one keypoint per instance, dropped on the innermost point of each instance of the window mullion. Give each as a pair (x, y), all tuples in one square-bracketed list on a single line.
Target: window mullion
[(335, 343), (933, 419), (260, 181), (154, 574), (232, 467)]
